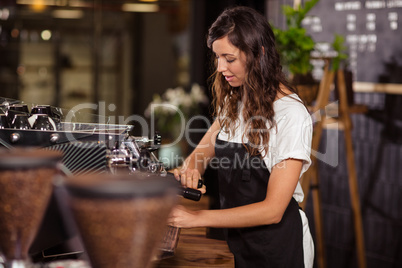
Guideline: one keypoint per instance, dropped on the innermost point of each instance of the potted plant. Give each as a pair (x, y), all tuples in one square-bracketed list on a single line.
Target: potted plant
[(341, 57), (340, 61), (171, 112), (295, 47)]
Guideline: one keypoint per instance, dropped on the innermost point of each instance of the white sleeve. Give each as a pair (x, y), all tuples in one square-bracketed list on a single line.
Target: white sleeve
[(291, 138)]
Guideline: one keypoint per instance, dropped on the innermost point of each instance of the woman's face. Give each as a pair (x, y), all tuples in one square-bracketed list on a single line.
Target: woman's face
[(231, 61)]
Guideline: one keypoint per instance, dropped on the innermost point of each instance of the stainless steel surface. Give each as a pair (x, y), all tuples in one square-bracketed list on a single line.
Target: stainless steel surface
[(87, 147)]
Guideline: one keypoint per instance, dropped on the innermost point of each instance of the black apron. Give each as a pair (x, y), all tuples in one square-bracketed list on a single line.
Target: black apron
[(243, 180)]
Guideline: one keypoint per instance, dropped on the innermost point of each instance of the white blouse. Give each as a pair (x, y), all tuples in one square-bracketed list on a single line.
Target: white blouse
[(290, 138)]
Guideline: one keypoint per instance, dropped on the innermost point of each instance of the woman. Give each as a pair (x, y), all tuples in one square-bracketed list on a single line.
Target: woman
[(260, 142)]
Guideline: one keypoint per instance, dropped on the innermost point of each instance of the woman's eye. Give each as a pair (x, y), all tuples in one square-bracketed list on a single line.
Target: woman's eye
[(230, 61)]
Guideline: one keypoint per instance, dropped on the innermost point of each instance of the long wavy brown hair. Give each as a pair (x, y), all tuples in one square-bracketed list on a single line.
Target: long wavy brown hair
[(250, 32)]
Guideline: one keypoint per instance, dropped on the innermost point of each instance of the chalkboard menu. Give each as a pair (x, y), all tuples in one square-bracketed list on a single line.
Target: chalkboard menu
[(373, 34)]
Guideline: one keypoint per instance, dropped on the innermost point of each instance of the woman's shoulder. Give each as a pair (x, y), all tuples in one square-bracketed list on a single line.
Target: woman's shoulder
[(291, 108), (290, 101)]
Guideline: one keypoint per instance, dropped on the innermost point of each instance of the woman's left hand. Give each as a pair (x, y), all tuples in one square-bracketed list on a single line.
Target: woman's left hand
[(182, 217), (189, 178)]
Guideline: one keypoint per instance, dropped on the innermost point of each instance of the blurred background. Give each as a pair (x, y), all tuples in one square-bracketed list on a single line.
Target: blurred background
[(126, 52)]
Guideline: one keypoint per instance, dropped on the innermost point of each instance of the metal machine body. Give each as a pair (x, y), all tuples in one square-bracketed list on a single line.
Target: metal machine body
[(120, 149), (87, 148)]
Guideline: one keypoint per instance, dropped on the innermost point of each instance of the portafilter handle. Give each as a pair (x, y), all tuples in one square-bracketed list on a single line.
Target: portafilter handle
[(188, 193), (192, 194)]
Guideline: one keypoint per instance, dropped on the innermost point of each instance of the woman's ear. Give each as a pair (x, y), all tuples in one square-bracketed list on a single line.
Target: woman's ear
[(263, 50)]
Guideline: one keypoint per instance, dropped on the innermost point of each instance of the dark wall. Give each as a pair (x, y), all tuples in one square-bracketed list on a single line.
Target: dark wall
[(377, 142), (9, 55), (372, 30), (373, 34)]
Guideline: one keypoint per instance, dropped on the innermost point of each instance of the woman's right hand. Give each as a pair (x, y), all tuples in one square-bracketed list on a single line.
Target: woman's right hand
[(189, 178), (190, 173)]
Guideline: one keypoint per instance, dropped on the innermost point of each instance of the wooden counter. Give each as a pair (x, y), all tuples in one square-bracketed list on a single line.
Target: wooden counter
[(194, 249)]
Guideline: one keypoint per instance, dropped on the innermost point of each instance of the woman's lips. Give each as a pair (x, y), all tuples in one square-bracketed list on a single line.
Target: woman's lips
[(229, 78)]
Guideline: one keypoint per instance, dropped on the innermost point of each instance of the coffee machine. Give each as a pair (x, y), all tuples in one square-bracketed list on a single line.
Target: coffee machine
[(95, 147)]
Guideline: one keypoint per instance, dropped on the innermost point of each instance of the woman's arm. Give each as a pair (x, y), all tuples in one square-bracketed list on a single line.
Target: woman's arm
[(195, 164), (281, 186)]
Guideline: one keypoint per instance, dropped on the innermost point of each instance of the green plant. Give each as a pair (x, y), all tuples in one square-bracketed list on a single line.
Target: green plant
[(294, 44), (340, 49)]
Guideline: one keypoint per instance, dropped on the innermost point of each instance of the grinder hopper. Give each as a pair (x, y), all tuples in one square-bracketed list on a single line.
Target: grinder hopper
[(26, 183), (122, 217)]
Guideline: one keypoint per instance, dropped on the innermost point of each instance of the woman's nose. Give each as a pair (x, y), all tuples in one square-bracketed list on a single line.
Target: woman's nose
[(221, 66)]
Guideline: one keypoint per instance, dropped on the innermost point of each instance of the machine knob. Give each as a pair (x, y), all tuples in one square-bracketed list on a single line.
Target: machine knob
[(157, 139), (15, 137), (54, 138)]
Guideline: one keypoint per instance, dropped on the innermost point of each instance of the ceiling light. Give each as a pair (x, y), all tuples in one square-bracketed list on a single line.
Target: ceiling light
[(140, 7), (4, 14), (37, 2), (67, 14), (79, 3), (73, 3), (46, 35)]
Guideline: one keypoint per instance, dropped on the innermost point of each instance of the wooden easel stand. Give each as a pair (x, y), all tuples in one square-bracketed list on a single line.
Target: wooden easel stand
[(310, 180)]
